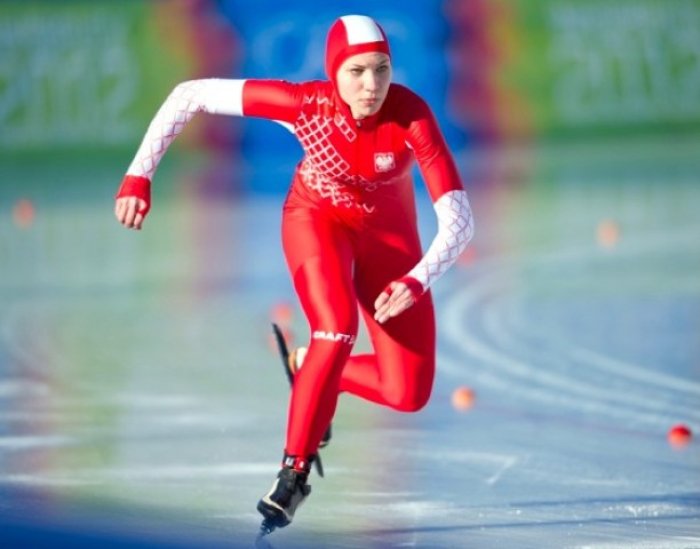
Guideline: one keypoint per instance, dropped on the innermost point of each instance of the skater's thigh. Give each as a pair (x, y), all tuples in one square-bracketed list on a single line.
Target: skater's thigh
[(319, 256), (404, 351), (407, 339), (410, 336)]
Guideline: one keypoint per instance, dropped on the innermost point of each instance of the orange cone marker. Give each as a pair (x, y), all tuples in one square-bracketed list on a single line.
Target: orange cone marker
[(679, 435), (463, 398)]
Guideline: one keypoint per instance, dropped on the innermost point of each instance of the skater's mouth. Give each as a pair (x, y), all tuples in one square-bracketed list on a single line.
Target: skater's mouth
[(370, 102)]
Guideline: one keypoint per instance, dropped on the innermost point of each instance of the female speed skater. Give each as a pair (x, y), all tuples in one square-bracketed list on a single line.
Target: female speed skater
[(349, 230)]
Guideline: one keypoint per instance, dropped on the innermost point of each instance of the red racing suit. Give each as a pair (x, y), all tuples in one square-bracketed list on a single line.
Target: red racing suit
[(349, 229)]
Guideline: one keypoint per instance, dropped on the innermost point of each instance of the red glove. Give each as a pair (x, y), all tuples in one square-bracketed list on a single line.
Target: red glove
[(140, 187)]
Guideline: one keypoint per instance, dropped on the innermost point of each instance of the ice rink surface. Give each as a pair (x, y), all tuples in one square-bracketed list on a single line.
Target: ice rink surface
[(141, 403)]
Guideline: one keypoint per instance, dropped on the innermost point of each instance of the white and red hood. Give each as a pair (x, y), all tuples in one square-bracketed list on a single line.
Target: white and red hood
[(350, 35)]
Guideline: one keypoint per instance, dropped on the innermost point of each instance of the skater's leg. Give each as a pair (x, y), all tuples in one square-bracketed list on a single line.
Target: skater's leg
[(400, 372), (320, 255)]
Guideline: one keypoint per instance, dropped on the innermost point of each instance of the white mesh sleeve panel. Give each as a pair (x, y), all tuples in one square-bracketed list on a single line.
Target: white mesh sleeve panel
[(455, 230), (214, 96)]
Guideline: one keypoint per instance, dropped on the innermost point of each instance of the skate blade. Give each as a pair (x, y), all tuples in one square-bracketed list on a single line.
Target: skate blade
[(283, 352), (260, 541), (318, 465)]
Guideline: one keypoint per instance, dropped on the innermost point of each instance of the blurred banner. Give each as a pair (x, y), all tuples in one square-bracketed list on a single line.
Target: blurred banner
[(575, 68), (77, 74)]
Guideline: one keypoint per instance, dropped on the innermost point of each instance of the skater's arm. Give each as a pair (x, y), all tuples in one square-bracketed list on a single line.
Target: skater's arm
[(261, 98), (454, 215), (452, 208), (271, 99), (455, 230)]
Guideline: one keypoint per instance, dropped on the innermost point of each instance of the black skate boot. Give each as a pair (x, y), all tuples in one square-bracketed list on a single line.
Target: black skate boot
[(286, 495)]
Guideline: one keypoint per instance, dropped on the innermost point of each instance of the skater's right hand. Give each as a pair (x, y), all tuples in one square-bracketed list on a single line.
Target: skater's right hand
[(133, 201)]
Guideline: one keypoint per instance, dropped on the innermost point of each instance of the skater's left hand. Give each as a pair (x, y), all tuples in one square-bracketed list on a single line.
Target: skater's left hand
[(398, 296)]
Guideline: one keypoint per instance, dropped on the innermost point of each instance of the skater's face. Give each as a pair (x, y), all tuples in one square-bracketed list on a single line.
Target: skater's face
[(363, 82)]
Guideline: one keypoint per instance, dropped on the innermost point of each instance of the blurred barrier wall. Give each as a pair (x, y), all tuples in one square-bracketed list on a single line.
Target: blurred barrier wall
[(77, 74)]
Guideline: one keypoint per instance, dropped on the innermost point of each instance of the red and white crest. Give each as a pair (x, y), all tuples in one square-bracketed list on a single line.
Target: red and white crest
[(383, 162)]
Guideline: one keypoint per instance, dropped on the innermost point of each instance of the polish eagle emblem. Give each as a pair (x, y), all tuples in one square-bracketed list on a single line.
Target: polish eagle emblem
[(383, 162)]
